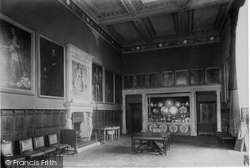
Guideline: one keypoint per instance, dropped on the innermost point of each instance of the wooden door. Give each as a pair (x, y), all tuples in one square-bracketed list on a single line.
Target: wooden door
[(207, 118), (135, 117)]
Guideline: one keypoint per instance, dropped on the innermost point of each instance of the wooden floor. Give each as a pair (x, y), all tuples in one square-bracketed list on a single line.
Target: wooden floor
[(186, 151)]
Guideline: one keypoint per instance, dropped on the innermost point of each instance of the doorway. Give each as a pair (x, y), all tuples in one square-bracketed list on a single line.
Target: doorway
[(207, 118), (134, 117)]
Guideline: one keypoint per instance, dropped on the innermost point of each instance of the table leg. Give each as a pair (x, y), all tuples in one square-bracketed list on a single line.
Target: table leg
[(165, 146), (104, 134), (119, 133)]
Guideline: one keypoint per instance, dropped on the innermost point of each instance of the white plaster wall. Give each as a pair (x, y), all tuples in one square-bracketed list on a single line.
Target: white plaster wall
[(242, 56)]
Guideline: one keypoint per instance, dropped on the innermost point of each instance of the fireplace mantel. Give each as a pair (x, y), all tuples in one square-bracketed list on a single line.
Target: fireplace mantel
[(79, 89)]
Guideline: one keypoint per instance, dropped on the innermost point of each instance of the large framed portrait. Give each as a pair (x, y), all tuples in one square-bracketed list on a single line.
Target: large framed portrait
[(109, 86), (154, 79), (118, 88), (51, 68), (213, 75), (128, 81), (140, 80), (181, 77), (17, 50), (167, 78), (97, 81), (196, 76)]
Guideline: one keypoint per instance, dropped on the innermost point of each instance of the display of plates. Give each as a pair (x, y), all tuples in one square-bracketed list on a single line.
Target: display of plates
[(183, 109), (173, 110), (187, 120), (155, 110), (163, 127), (173, 128), (151, 127), (169, 103), (160, 104), (184, 128), (164, 110), (177, 104)]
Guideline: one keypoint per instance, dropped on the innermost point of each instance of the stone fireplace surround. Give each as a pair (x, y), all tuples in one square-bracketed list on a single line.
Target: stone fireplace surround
[(86, 126)]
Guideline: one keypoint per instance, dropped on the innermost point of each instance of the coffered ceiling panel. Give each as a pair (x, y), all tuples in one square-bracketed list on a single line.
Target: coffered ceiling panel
[(163, 26), (127, 31), (204, 18), (135, 25)]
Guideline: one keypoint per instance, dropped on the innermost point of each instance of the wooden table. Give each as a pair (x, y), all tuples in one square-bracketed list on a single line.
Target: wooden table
[(103, 131), (152, 136)]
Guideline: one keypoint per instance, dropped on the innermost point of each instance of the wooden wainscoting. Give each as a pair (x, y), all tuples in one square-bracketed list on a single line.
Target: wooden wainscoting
[(19, 124), (102, 118)]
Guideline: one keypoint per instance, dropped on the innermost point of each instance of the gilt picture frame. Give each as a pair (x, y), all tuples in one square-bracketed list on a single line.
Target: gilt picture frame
[(118, 88), (128, 81), (51, 69), (154, 79), (212, 75), (109, 86), (181, 77), (196, 76), (97, 82), (17, 57), (141, 80), (167, 78)]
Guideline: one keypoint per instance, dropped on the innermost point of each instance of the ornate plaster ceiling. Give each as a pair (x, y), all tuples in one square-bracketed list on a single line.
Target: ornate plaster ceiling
[(137, 25)]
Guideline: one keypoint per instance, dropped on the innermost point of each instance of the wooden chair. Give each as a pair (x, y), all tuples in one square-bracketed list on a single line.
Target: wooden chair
[(54, 143), (7, 153), (26, 149), (38, 143)]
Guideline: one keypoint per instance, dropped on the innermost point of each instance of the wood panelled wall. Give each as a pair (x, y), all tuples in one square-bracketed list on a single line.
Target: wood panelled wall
[(102, 118), (21, 124)]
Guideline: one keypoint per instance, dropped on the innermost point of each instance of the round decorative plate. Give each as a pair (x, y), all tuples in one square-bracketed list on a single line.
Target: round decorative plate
[(164, 110), (173, 128), (184, 128), (160, 104), (163, 127), (177, 104), (151, 127), (187, 119), (169, 103), (173, 110), (183, 109), (155, 110)]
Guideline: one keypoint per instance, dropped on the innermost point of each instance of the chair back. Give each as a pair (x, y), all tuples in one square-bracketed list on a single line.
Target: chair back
[(52, 139), (38, 142), (26, 145), (6, 148)]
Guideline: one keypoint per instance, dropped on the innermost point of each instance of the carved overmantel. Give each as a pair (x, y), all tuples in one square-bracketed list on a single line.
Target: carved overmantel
[(79, 87)]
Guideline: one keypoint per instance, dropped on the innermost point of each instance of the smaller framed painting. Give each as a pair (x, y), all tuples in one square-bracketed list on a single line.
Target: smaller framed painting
[(118, 88), (140, 80), (196, 76), (167, 78), (128, 81), (97, 81), (181, 77), (109, 86), (154, 79), (212, 75)]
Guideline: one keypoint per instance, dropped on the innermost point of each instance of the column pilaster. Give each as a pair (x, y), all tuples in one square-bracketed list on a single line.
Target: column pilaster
[(218, 110), (124, 127)]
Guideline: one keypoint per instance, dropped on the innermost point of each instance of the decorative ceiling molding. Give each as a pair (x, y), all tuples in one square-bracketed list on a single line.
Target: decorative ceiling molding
[(141, 25)]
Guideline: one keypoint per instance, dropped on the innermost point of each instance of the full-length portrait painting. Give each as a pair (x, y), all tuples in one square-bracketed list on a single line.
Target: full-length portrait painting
[(97, 78), (51, 69), (118, 88), (17, 57), (109, 86)]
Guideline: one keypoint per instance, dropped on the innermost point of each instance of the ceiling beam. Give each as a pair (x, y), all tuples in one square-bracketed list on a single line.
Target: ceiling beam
[(130, 8), (142, 30)]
